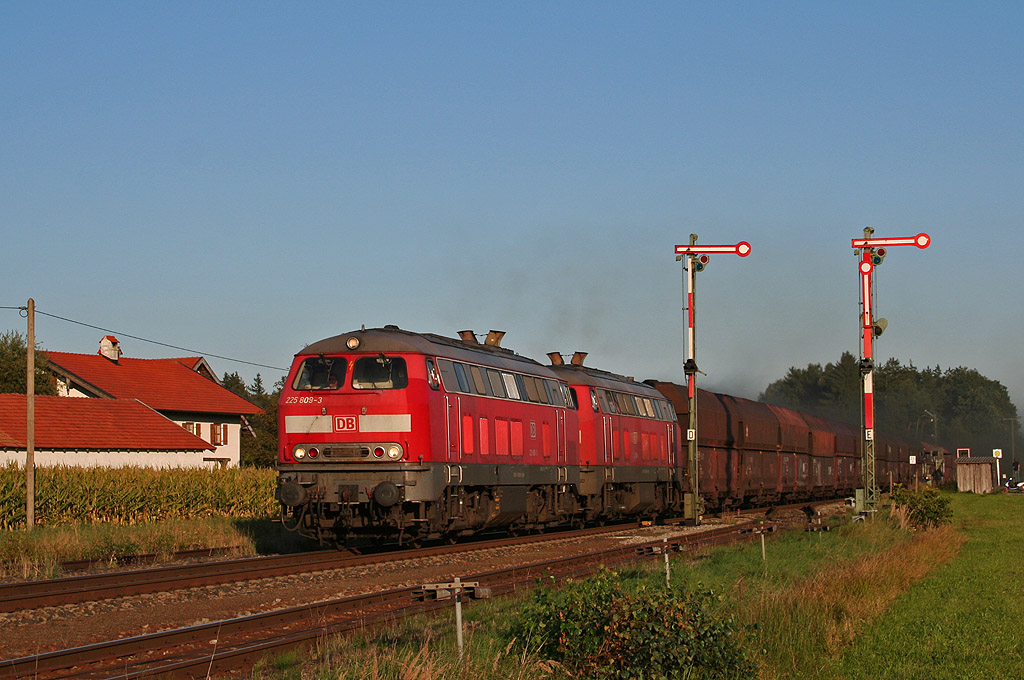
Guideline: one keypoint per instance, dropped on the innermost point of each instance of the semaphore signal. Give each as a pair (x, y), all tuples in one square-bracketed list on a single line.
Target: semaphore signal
[(872, 252), (698, 258)]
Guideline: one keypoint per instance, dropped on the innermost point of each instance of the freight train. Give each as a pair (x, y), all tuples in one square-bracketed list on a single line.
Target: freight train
[(390, 435)]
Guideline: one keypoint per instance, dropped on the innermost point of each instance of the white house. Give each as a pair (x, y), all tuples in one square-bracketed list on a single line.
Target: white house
[(97, 432), (184, 390)]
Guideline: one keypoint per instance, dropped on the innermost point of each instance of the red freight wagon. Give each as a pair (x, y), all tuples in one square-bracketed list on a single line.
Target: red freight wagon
[(756, 435), (823, 456)]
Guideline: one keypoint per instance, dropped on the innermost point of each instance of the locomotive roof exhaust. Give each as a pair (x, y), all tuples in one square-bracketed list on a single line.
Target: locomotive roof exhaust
[(577, 358), (556, 359), (468, 337), (494, 338)]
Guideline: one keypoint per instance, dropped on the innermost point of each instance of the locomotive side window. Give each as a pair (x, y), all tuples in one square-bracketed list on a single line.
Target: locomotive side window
[(558, 393), (478, 380), (544, 391), (433, 377), (510, 385), (460, 375), (497, 387), (320, 373), (447, 369), (521, 386), (531, 388), (380, 373)]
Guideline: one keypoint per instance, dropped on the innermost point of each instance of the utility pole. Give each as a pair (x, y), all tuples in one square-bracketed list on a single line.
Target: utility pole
[(1014, 466), (695, 259), (872, 251), (30, 425)]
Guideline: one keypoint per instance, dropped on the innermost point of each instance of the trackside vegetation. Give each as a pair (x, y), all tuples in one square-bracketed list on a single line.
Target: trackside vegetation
[(866, 600), (602, 628)]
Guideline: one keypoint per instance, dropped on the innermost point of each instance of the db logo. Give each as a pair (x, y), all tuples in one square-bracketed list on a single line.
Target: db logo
[(344, 423)]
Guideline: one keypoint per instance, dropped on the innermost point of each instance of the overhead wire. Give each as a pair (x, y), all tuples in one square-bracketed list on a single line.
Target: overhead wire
[(154, 342)]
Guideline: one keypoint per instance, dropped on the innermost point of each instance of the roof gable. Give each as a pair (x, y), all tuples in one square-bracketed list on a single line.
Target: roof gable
[(103, 424), (163, 384)]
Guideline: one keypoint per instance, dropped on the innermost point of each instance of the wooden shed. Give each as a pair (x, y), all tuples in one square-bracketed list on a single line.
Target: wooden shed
[(977, 474)]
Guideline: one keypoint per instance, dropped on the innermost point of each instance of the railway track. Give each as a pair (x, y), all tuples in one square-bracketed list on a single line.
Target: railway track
[(89, 587), (235, 644)]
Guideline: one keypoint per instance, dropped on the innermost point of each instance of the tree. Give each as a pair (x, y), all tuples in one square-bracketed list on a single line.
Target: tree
[(234, 382), (829, 392), (964, 407), (14, 366), (258, 447)]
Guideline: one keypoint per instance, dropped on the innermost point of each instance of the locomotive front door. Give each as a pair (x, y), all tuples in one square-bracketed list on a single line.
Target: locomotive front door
[(453, 419)]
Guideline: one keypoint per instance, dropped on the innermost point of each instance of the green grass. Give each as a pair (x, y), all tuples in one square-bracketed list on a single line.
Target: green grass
[(965, 619)]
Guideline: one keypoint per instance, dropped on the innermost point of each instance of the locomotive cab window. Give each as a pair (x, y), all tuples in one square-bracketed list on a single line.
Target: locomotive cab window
[(320, 373), (380, 373)]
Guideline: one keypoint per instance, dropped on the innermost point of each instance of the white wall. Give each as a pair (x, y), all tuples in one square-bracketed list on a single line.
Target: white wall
[(230, 452), (147, 459)]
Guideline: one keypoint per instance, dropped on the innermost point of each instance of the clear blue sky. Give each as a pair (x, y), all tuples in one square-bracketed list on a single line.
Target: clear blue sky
[(246, 178)]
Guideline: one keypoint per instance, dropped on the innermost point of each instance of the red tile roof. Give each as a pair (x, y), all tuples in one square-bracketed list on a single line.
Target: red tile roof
[(100, 424), (163, 384)]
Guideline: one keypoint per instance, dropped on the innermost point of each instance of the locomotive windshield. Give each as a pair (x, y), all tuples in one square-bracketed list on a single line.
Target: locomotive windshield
[(320, 373), (379, 373)]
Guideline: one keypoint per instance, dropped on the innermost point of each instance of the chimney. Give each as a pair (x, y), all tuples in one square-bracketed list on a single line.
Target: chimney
[(578, 357), (556, 359), (110, 347), (468, 337), (494, 338)]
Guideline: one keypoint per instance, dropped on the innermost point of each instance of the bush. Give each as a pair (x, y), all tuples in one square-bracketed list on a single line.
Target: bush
[(598, 630), (921, 508)]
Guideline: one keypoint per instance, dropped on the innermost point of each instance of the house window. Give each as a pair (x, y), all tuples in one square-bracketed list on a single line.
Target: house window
[(218, 434)]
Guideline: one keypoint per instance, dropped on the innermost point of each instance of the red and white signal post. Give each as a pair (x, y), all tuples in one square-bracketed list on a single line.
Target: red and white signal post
[(872, 252), (697, 258)]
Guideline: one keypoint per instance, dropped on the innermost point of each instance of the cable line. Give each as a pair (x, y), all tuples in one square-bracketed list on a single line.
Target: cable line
[(155, 342)]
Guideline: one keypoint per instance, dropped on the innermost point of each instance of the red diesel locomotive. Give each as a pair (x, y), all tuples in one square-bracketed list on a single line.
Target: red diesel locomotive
[(391, 435), (387, 434)]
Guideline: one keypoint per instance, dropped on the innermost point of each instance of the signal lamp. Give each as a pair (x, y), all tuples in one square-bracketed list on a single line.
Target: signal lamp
[(378, 452), (313, 452), (352, 342), (300, 453), (394, 452)]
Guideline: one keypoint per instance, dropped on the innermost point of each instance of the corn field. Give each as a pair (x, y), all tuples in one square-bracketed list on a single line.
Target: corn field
[(131, 495)]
